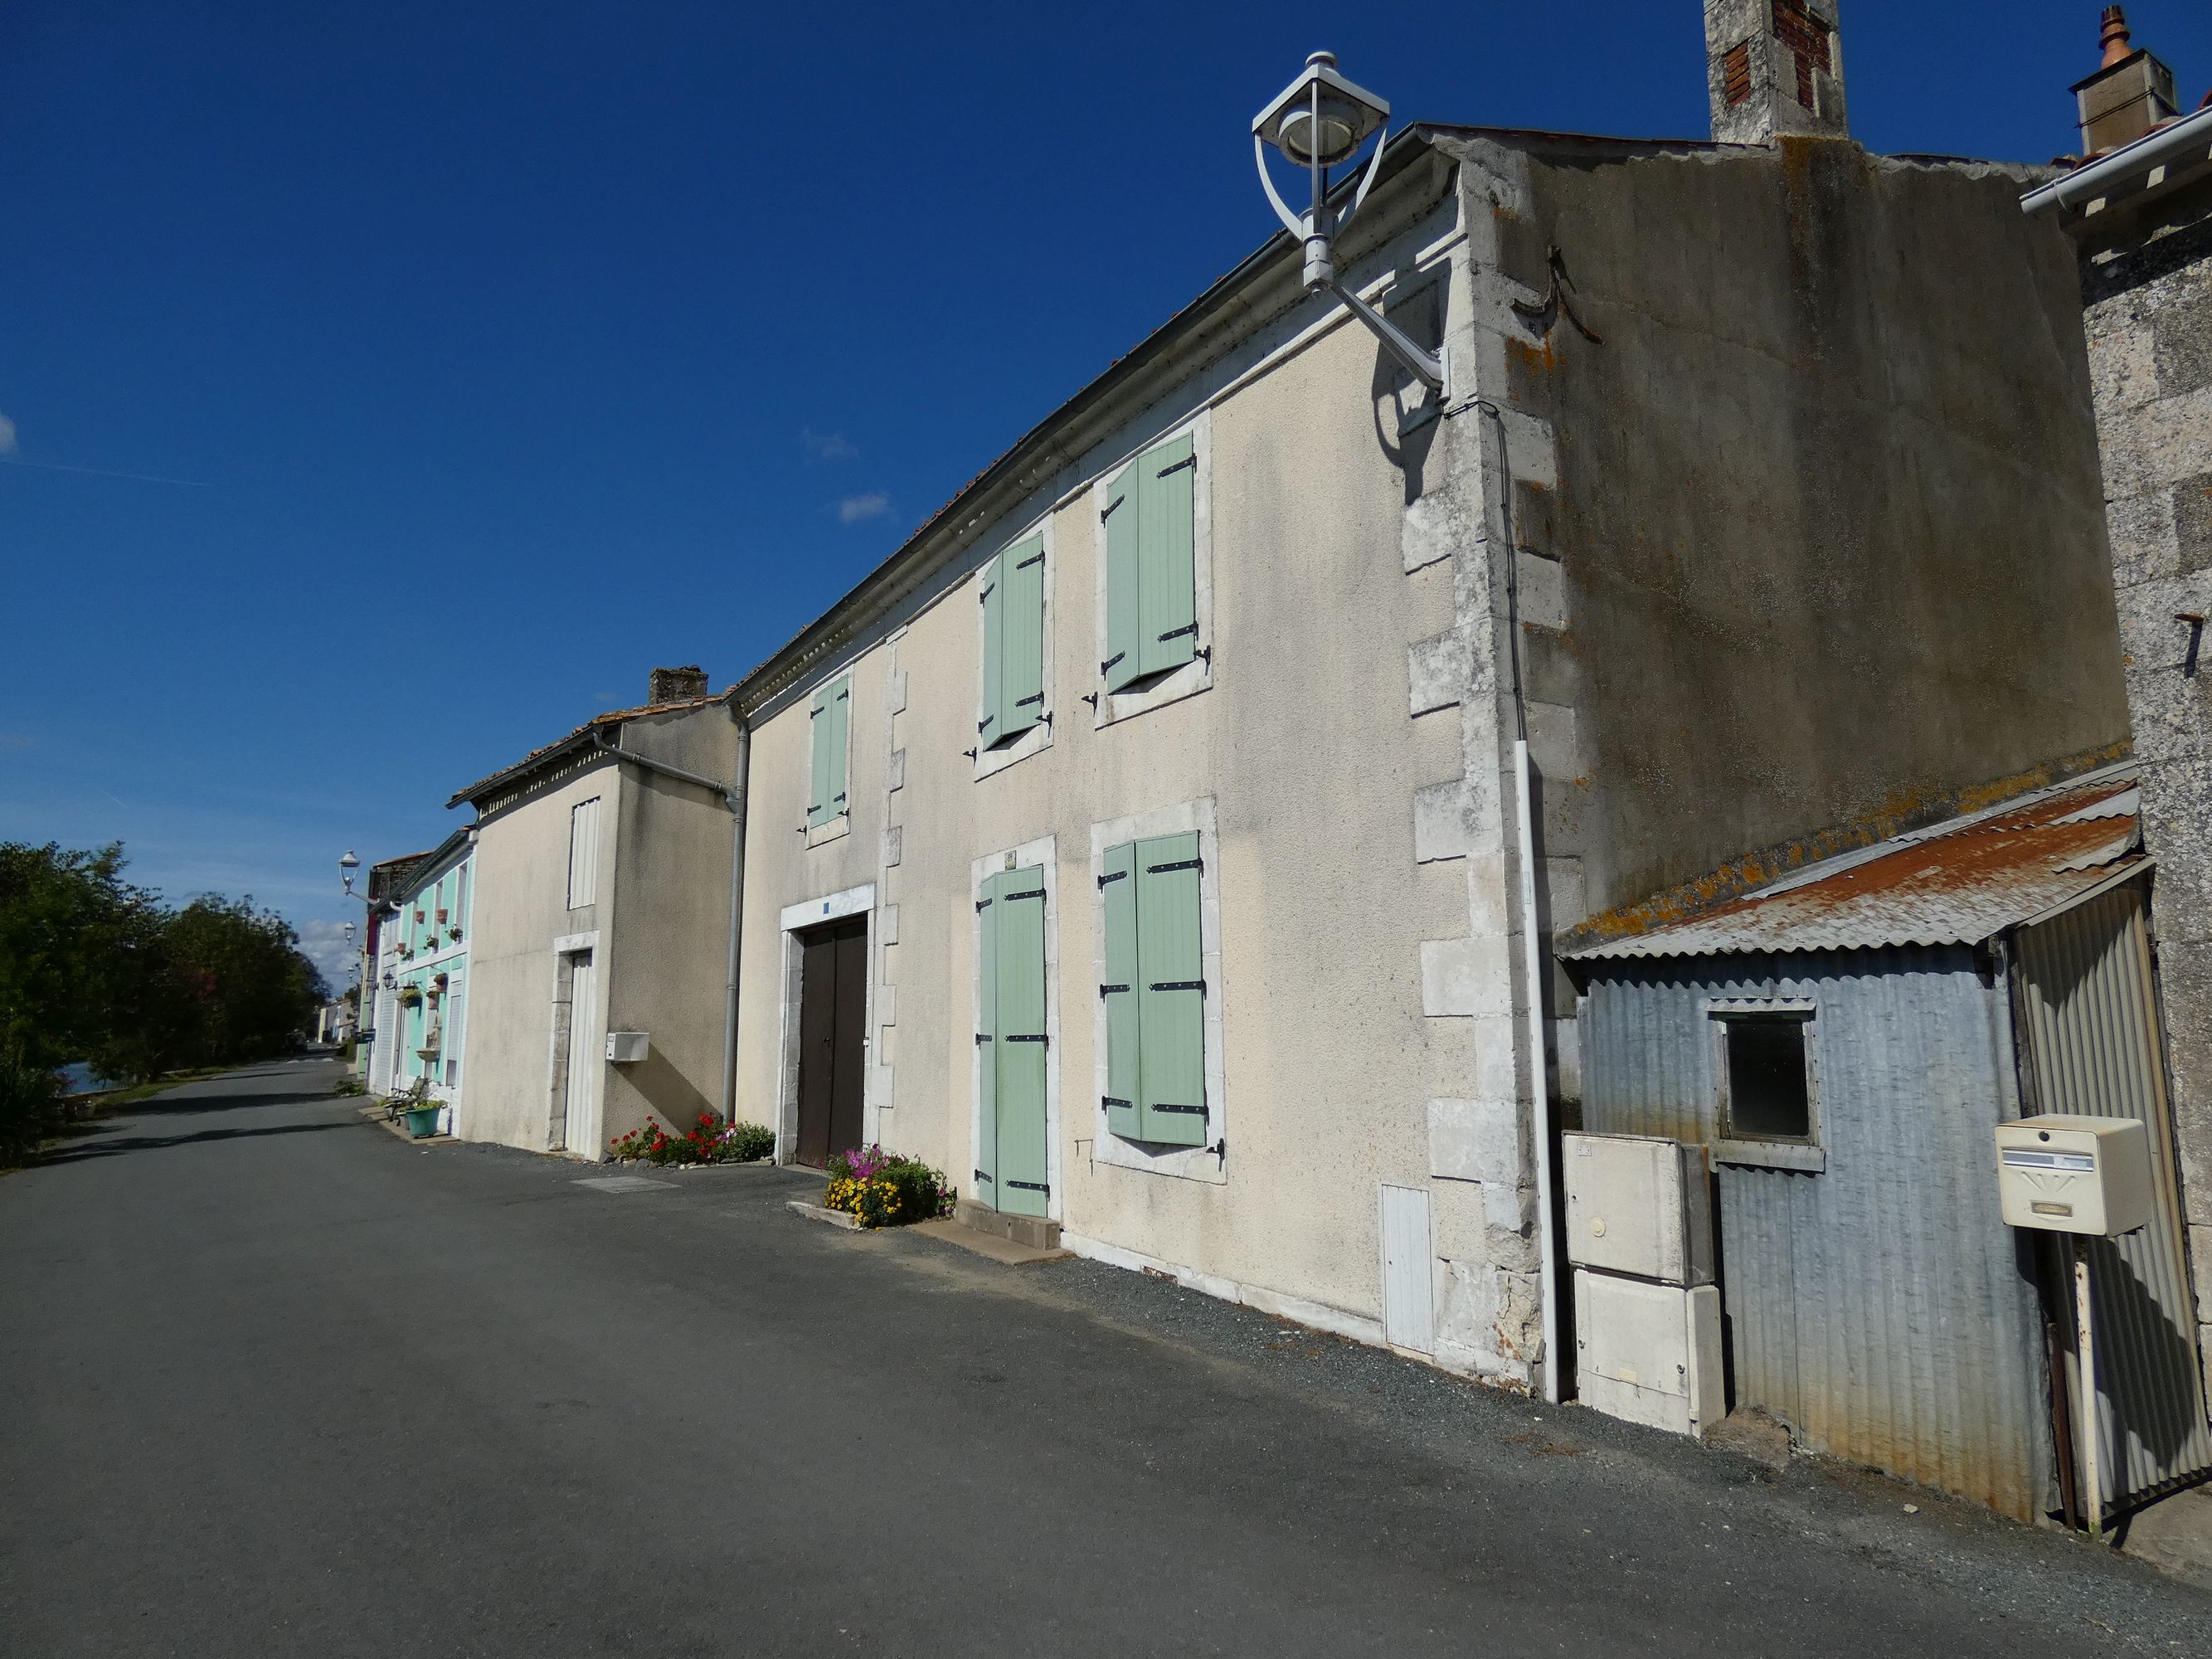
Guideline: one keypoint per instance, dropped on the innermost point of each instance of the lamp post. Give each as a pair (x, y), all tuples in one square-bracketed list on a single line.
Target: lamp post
[(1319, 122)]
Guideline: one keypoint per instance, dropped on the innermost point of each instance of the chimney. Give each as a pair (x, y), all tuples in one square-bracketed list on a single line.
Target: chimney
[(1773, 67), (676, 684), (2130, 93)]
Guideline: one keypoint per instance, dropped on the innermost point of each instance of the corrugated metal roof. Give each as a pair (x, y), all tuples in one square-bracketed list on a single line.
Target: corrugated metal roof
[(1953, 883)]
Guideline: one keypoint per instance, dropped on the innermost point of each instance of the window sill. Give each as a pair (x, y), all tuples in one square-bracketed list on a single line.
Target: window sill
[(830, 829), (1772, 1155), (1188, 681), (990, 761)]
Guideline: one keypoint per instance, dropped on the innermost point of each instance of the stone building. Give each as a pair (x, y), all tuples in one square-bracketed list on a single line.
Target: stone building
[(2138, 208), (1147, 842)]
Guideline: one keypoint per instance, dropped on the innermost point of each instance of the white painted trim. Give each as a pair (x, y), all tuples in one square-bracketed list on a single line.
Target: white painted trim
[(791, 920), (828, 907), (1043, 855), (834, 829), (576, 942), (990, 762), (1196, 675), (1190, 1162), (1315, 1316)]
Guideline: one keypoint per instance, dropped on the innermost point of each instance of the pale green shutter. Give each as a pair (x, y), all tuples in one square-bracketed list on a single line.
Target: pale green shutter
[(817, 799), (986, 1065), (991, 726), (1124, 658), (1118, 888), (826, 800), (1021, 650), (1172, 992), (1167, 593), (1017, 920)]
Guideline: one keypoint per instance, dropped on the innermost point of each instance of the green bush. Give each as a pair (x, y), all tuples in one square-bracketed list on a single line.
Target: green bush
[(29, 1098)]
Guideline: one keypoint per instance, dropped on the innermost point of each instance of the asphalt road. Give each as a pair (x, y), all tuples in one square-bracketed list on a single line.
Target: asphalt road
[(273, 1382)]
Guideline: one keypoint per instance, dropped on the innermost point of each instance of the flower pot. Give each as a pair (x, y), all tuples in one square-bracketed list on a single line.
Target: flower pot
[(422, 1121)]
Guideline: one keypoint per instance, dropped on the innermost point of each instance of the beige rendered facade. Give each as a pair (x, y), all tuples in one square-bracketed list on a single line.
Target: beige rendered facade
[(1357, 1007), (602, 904)]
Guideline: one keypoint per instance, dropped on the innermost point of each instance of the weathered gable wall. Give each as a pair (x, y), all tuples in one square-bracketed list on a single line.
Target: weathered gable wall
[(1828, 514)]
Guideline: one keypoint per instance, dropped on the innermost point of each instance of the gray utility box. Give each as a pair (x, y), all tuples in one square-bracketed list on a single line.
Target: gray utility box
[(628, 1047), (1650, 1353), (1639, 1204)]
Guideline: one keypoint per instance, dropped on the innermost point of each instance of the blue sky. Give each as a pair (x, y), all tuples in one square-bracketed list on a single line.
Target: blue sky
[(431, 371)]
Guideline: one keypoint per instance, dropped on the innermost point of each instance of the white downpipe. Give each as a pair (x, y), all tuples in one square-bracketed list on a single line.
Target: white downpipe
[(1532, 958)]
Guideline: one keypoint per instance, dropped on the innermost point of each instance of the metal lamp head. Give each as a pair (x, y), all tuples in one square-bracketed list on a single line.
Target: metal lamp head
[(347, 867), (1321, 116), (1318, 121)]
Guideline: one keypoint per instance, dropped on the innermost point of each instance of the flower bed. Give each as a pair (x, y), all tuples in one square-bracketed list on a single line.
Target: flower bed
[(710, 1140), (880, 1189)]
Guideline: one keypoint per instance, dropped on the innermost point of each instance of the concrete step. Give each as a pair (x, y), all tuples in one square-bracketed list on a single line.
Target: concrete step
[(1030, 1231)]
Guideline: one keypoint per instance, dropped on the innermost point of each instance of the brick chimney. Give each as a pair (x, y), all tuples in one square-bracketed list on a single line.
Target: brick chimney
[(676, 684), (2130, 93), (1773, 67)]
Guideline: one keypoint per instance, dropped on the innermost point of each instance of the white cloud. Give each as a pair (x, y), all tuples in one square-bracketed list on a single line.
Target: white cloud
[(7, 436), (854, 509), (324, 944), (826, 446)]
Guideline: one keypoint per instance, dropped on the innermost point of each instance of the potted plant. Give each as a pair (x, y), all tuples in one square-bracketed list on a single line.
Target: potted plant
[(421, 1109)]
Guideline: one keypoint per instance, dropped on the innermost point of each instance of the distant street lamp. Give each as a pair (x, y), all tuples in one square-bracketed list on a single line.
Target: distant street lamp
[(1318, 122), (348, 866)]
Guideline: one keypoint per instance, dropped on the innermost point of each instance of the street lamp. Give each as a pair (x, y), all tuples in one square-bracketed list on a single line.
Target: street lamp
[(347, 867), (1318, 122)]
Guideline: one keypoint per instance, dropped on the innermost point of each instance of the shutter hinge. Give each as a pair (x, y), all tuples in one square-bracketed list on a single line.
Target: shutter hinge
[(1180, 864), (1107, 667), (981, 1038), (1108, 990), (985, 721), (1029, 1039), (1108, 1100), (1114, 875), (1107, 512), (1178, 633), (1024, 703), (1197, 985), (1028, 1186), (1189, 460), (982, 904), (1038, 558), (984, 1179), (1179, 1111)]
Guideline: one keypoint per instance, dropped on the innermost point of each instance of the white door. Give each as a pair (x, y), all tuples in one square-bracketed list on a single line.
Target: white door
[(1408, 1265), (582, 1116), (385, 1043)]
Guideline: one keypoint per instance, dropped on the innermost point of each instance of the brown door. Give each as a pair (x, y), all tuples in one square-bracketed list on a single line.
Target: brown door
[(833, 1008)]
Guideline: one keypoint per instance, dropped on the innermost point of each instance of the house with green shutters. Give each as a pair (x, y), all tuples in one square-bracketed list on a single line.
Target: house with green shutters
[(1183, 838)]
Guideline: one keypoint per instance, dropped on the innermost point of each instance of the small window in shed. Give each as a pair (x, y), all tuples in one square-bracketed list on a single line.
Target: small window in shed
[(1768, 1098)]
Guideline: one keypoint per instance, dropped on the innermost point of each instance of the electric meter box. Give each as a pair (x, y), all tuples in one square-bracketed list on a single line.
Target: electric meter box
[(1640, 1205), (2066, 1174), (1650, 1353), (628, 1047)]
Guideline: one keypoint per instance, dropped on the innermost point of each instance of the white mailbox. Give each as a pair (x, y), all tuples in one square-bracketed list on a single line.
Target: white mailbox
[(628, 1047), (1637, 1204), (2065, 1174)]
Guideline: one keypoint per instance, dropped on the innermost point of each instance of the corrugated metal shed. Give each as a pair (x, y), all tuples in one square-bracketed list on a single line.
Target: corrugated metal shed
[(1880, 1307), (1955, 884)]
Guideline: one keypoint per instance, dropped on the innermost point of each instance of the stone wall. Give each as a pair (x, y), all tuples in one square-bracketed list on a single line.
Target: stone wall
[(2149, 323)]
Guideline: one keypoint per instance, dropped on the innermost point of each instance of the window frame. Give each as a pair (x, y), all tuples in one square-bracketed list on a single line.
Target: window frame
[(1037, 737), (1200, 1162), (1806, 1155), (575, 807), (838, 823), (1196, 675), (1041, 855)]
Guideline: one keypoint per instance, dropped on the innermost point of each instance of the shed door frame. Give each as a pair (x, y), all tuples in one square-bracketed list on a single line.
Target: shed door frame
[(2147, 1458)]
